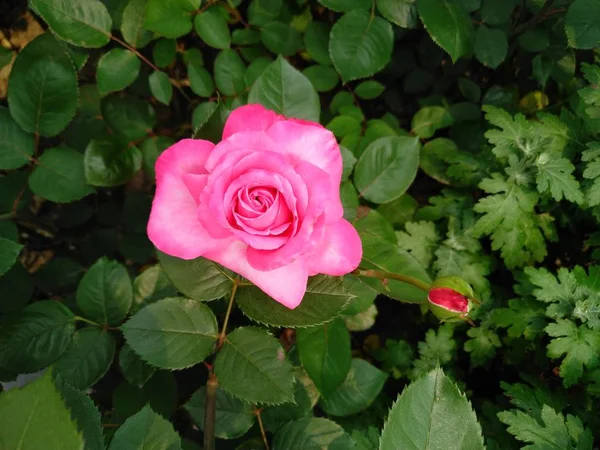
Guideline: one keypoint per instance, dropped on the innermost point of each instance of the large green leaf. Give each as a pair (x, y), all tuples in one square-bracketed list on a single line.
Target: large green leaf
[(281, 38), (362, 385), (346, 5), (316, 41), (429, 119), (35, 417), (16, 146), (134, 369), (173, 333), (200, 278), (9, 252), (324, 300), (325, 354), (42, 87), (253, 366), (213, 29), (491, 46), (449, 25), (87, 358), (360, 45), (285, 90), (85, 23), (109, 162), (145, 430), (387, 168), (229, 72), (582, 24), (36, 337), (105, 293), (171, 19), (151, 285), (116, 70), (132, 24), (431, 413), (129, 117), (402, 12), (312, 433), (233, 417), (59, 176)]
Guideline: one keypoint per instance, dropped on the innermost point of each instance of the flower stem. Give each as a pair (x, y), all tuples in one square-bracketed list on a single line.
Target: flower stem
[(83, 319), (382, 275), (262, 428)]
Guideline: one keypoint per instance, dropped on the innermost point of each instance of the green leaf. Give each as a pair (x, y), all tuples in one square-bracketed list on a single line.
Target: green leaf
[(312, 433), (345, 5), (421, 418), (170, 19), (580, 344), (16, 146), (161, 87), (151, 148), (555, 175), (9, 252), (360, 45), (36, 417), (420, 240), (497, 13), (368, 90), (582, 24), (108, 162), (36, 337), (117, 69), (430, 119), (85, 23), (59, 176), (324, 300), (274, 417), (105, 293), (233, 417), (6, 56), (245, 36), (323, 78), (173, 333), (145, 429), (550, 433), (280, 38), (199, 279), (523, 317), (213, 29), (132, 24), (387, 168), (449, 25), (253, 366), (325, 354), (130, 118), (229, 73), (491, 46), (482, 345), (201, 80), (261, 12), (286, 91), (164, 52), (41, 70), (134, 369), (362, 385), (401, 12), (316, 42), (87, 358)]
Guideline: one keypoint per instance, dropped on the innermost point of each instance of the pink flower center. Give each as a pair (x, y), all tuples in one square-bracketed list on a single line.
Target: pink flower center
[(449, 299)]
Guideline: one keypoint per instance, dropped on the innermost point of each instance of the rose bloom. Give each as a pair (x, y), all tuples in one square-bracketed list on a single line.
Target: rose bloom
[(264, 202)]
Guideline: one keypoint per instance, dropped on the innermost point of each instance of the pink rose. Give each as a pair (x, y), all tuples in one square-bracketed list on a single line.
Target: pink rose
[(264, 202)]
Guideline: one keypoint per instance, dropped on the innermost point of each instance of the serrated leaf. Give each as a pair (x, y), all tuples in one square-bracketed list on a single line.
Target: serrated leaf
[(105, 293), (497, 13), (362, 385), (274, 417), (129, 117), (108, 162), (325, 354), (387, 168), (134, 369), (324, 300), (170, 19), (555, 175), (116, 70), (360, 45), (281, 38), (59, 176), (41, 70), (229, 73), (85, 23), (345, 5), (233, 417), (285, 90), (161, 87), (420, 418), (9, 252), (430, 119), (35, 417), (449, 25), (253, 366), (87, 358), (582, 24), (312, 433), (143, 430), (491, 46), (401, 12), (173, 333), (132, 24), (36, 337), (16, 146)]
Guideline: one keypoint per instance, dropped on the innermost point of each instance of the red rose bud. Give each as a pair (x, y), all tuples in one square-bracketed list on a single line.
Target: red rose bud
[(449, 298)]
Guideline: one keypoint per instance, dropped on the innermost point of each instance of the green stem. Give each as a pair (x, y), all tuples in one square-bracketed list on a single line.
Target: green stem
[(382, 275), (91, 322)]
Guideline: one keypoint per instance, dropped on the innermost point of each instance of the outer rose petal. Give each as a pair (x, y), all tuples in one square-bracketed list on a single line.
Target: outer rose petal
[(340, 251), (253, 117), (317, 146), (286, 285), (173, 226)]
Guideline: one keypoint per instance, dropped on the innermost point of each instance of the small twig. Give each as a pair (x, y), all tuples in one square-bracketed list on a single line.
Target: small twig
[(223, 333), (262, 428)]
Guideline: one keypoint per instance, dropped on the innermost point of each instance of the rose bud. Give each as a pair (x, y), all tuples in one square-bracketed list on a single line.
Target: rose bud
[(450, 298)]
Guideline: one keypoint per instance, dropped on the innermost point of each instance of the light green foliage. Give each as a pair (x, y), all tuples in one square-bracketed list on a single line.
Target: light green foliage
[(143, 429), (482, 345), (437, 349), (117, 69), (419, 239)]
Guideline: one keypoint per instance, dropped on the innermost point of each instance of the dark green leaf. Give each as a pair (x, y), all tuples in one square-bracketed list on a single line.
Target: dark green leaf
[(108, 162), (171, 19), (280, 38), (201, 80), (213, 29), (323, 78), (368, 90), (316, 41), (229, 73), (145, 429), (160, 86), (401, 12), (164, 52), (117, 69), (260, 12), (346, 5), (134, 369), (132, 24), (491, 46), (16, 146), (9, 252), (430, 119), (130, 118), (582, 24), (312, 433)]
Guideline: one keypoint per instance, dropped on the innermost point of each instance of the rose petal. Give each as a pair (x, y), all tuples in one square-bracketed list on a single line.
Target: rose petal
[(286, 285), (249, 141), (252, 117), (173, 226), (339, 252)]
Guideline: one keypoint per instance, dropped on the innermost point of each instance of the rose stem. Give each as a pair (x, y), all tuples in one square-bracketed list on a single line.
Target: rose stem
[(382, 275)]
